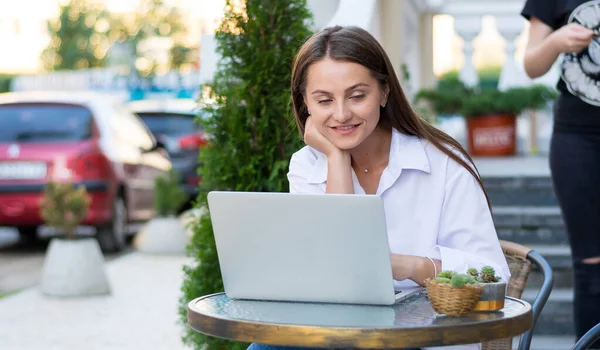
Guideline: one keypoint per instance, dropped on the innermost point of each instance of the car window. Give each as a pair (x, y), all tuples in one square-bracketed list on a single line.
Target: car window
[(132, 130), (171, 124), (38, 122)]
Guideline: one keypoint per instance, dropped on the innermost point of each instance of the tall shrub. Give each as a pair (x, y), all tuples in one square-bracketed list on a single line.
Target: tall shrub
[(251, 124)]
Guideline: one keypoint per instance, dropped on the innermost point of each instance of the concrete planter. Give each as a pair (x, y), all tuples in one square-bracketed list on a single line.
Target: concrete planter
[(74, 268), (164, 236), (492, 297)]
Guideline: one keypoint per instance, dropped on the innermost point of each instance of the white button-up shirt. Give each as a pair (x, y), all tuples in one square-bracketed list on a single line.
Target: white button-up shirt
[(433, 206)]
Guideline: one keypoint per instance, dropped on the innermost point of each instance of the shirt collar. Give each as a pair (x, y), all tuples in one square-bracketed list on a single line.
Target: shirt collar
[(406, 152)]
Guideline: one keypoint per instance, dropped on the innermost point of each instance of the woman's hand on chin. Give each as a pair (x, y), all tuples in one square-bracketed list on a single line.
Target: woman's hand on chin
[(315, 139)]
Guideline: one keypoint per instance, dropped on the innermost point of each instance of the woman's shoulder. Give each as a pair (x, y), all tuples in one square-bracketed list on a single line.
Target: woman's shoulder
[(306, 155), (442, 162)]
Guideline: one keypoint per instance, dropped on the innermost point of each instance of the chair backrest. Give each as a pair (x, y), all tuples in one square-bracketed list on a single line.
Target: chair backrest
[(588, 339), (520, 260)]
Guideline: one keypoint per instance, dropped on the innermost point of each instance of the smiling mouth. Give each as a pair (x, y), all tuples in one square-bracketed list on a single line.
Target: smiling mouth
[(345, 127)]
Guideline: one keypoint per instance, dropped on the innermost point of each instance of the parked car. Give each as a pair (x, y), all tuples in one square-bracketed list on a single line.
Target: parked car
[(173, 122), (83, 137)]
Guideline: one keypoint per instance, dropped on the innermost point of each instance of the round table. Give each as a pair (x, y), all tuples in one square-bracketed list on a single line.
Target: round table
[(407, 324)]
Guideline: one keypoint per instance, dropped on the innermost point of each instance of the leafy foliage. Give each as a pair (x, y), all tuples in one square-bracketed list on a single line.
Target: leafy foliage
[(78, 37), (63, 207), (5, 81), (452, 96), (252, 131), (152, 19), (168, 195)]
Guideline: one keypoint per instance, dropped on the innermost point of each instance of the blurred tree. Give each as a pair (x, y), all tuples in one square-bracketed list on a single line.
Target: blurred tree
[(253, 133), (5, 81), (180, 55), (79, 36), (153, 19)]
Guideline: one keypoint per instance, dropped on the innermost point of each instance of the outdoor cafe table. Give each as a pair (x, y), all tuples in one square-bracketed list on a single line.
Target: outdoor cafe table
[(407, 324)]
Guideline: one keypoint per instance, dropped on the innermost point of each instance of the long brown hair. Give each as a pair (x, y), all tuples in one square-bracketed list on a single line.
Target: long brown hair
[(353, 44)]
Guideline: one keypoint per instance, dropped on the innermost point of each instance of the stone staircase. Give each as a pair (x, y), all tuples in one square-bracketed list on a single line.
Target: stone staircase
[(526, 212)]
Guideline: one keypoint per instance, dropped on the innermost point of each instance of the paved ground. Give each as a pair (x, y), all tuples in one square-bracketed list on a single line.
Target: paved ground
[(141, 313), (21, 264)]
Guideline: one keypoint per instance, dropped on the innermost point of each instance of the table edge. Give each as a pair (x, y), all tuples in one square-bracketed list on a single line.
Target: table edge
[(225, 328)]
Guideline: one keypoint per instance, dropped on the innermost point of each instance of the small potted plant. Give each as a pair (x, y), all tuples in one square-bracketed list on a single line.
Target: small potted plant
[(73, 266), (490, 114), (453, 294), (165, 234), (494, 289)]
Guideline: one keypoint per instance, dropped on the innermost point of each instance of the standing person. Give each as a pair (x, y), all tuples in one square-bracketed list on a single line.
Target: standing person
[(363, 137), (575, 144)]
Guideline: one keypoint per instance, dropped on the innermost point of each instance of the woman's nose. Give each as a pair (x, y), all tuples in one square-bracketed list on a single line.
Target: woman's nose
[(342, 113)]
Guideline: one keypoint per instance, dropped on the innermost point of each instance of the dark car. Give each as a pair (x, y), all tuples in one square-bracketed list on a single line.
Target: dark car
[(173, 123), (89, 139)]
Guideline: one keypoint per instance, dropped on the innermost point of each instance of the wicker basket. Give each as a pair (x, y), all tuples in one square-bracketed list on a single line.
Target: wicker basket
[(452, 301)]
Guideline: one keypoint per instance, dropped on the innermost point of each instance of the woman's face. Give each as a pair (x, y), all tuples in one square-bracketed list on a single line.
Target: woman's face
[(344, 101)]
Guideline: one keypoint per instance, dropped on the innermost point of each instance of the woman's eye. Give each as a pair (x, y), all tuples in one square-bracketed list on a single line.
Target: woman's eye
[(324, 101), (358, 97)]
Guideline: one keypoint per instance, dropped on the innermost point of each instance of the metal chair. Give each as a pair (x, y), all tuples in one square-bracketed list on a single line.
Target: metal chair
[(520, 261), (588, 338)]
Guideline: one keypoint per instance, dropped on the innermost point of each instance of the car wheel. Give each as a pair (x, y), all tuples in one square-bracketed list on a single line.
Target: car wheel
[(112, 238)]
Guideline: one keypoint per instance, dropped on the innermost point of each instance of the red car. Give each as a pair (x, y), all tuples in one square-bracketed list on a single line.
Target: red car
[(87, 138)]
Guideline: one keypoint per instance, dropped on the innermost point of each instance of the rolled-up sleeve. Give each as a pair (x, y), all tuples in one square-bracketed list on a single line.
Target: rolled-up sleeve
[(467, 237)]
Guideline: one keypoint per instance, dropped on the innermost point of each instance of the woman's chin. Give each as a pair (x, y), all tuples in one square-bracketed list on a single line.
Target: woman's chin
[(346, 145)]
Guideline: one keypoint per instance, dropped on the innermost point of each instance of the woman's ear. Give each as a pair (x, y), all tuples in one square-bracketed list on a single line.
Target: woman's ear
[(305, 103), (385, 92)]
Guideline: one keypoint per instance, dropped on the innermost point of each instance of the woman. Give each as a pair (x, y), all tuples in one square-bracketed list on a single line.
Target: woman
[(363, 137), (575, 144)]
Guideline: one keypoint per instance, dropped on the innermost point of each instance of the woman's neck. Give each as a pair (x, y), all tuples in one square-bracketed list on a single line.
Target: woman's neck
[(374, 152)]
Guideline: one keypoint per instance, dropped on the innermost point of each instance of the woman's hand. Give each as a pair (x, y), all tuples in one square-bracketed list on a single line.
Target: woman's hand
[(318, 141), (415, 268), (572, 38)]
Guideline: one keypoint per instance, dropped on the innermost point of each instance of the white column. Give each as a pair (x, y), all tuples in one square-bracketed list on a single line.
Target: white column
[(468, 27), (513, 73)]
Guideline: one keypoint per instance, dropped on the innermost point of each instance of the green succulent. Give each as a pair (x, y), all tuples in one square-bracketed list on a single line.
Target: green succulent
[(488, 274), (447, 274), (442, 280), (460, 280), (473, 272)]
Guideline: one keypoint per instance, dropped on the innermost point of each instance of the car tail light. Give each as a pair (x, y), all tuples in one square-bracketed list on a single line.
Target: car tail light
[(193, 141), (90, 165), (193, 180)]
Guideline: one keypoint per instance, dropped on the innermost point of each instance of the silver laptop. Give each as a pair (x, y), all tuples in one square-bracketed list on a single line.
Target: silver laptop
[(308, 248)]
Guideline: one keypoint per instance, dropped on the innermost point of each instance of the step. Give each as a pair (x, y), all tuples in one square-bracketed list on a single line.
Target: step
[(557, 315), (529, 237), (548, 342), (527, 217), (529, 191), (563, 278), (558, 256)]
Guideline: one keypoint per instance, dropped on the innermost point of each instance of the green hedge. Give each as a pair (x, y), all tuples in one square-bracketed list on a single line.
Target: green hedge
[(252, 126), (5, 81)]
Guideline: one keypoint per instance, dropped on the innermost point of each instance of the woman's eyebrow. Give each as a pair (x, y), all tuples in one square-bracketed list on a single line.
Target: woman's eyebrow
[(348, 89)]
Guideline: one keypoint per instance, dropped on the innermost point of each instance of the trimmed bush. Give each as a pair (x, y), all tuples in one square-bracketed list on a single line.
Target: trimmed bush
[(251, 124)]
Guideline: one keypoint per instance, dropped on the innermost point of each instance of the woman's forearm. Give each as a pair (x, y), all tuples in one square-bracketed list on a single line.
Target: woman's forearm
[(540, 58), (339, 174), (425, 269)]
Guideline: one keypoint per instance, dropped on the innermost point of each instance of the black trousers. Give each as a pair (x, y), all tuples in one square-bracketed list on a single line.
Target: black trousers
[(575, 167)]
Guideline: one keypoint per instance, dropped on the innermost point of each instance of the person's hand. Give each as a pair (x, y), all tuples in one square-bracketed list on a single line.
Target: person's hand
[(572, 38), (405, 266), (318, 141)]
